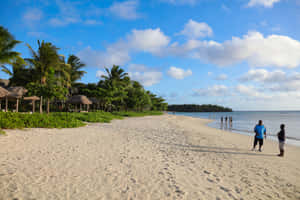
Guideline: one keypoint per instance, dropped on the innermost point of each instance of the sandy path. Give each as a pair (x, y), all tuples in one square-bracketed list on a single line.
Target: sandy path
[(159, 157)]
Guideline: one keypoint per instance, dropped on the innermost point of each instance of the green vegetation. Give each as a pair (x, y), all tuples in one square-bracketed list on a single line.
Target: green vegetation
[(54, 78), (54, 120), (10, 120), (198, 108)]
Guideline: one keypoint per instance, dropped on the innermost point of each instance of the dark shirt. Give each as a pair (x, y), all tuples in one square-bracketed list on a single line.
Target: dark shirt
[(281, 136)]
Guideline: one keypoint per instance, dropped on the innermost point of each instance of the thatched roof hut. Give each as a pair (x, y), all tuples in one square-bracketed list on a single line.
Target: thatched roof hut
[(16, 92), (33, 98), (3, 92), (4, 83), (79, 99), (94, 100)]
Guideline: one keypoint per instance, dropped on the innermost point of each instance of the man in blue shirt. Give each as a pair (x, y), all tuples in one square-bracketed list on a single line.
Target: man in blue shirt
[(260, 132)]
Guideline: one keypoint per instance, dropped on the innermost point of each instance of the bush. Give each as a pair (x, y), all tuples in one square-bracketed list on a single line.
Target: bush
[(9, 120)]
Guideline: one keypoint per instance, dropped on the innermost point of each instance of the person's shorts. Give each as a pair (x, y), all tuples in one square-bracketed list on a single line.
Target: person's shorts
[(281, 145), (258, 140)]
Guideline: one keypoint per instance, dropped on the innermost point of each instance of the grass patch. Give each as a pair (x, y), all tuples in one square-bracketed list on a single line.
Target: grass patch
[(9, 120)]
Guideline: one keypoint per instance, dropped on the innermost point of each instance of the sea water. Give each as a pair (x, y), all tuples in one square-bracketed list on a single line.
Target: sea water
[(245, 121)]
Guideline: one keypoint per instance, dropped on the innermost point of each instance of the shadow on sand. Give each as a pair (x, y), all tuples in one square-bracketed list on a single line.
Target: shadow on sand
[(221, 150)]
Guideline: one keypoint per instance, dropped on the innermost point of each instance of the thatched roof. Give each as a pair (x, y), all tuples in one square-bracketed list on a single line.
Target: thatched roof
[(79, 99), (33, 98), (4, 83), (3, 92), (94, 99), (16, 92)]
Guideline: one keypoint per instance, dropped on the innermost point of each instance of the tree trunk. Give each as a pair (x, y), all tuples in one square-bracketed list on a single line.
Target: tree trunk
[(6, 104), (48, 105), (17, 105), (41, 104), (33, 106)]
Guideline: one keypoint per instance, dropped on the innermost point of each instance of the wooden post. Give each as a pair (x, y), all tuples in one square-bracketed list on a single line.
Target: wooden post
[(80, 107), (33, 106), (17, 106), (6, 104), (41, 104), (87, 107), (48, 105)]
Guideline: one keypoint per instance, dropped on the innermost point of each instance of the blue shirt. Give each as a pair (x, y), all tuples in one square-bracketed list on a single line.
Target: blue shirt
[(260, 131)]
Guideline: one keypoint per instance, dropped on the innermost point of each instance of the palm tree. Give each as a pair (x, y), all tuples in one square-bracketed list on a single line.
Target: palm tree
[(46, 63), (115, 74), (7, 43), (19, 74), (75, 72)]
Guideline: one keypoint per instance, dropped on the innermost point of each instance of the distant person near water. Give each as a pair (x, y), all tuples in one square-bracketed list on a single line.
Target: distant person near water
[(260, 132), (281, 139), (230, 122)]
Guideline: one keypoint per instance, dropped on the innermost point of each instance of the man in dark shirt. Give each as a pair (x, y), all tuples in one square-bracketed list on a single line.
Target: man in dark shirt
[(281, 139)]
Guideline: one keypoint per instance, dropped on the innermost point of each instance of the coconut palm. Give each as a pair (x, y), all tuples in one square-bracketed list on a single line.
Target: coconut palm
[(7, 43), (44, 61), (115, 74), (75, 72), (19, 73), (49, 68)]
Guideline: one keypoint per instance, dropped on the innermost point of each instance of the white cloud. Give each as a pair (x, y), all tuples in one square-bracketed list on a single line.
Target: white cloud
[(248, 91), (221, 77), (180, 2), (179, 73), (92, 22), (274, 81), (32, 16), (145, 75), (215, 90), (37, 34), (125, 10), (114, 55), (265, 3), (148, 40), (257, 50), (194, 29), (262, 75)]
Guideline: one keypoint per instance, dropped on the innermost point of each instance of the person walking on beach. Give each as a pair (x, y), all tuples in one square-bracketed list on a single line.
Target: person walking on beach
[(260, 132), (281, 139)]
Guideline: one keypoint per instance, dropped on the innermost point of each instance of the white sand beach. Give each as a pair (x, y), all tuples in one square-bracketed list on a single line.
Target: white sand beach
[(154, 157)]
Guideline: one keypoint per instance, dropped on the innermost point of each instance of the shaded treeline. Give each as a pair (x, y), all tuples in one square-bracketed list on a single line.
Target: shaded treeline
[(198, 108)]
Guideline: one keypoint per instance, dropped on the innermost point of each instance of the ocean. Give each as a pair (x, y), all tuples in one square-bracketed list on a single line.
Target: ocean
[(245, 121)]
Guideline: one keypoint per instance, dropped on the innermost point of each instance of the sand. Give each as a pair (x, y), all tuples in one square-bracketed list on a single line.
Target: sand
[(155, 157)]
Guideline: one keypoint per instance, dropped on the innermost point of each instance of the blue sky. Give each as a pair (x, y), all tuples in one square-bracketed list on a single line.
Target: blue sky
[(244, 54)]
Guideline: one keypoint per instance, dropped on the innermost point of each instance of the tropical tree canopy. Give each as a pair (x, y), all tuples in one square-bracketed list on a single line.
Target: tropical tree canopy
[(7, 43), (48, 75)]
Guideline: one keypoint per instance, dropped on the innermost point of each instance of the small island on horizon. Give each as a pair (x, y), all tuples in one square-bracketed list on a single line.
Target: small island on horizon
[(198, 108)]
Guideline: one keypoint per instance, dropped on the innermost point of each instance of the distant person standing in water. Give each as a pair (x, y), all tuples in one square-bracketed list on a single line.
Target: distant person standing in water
[(230, 122), (281, 139), (260, 132), (222, 121), (226, 119)]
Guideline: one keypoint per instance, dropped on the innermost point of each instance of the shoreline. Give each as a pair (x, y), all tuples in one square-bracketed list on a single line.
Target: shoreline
[(152, 157), (289, 141)]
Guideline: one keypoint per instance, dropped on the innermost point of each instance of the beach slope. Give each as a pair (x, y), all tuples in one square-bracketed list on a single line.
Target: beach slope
[(154, 157)]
